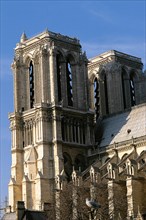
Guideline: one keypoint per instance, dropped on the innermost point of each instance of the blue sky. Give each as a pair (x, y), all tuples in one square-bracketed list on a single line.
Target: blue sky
[(100, 26)]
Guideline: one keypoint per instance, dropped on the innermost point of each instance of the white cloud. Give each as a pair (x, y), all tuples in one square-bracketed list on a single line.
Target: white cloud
[(102, 16)]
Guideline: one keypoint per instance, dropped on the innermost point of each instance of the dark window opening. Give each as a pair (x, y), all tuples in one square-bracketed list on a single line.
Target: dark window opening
[(69, 84), (79, 162), (106, 95), (144, 216), (132, 90), (31, 84), (73, 130), (58, 78), (123, 87), (96, 98), (67, 165)]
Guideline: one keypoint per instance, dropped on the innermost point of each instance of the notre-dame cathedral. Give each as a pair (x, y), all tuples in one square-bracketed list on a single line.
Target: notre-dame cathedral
[(70, 114)]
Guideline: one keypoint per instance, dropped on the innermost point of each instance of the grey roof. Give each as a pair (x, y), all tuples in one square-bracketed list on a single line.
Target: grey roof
[(9, 216), (124, 126)]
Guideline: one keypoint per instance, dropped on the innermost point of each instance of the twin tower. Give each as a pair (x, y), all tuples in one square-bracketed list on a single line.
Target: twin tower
[(59, 97)]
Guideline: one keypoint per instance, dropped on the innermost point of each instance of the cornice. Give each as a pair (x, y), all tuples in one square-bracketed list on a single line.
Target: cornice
[(125, 145)]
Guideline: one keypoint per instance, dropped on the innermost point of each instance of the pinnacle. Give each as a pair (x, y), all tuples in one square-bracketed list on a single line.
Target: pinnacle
[(23, 37)]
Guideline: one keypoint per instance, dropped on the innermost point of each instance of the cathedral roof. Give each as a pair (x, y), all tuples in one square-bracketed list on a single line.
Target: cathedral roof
[(125, 126)]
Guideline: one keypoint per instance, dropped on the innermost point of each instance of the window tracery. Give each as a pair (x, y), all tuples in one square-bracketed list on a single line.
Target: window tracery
[(69, 83), (132, 89), (96, 98), (31, 84)]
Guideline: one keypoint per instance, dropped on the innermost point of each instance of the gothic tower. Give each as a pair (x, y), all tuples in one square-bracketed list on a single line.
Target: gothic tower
[(116, 83), (52, 125)]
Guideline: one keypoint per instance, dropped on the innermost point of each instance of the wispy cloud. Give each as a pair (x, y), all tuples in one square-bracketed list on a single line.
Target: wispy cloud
[(101, 15)]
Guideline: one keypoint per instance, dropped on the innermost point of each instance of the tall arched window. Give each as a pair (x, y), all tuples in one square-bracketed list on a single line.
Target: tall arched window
[(79, 162), (106, 94), (68, 166), (69, 83), (96, 97), (31, 84), (132, 89), (58, 64), (124, 87)]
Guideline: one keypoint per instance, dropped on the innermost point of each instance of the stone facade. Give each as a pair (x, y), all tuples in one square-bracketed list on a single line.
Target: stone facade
[(63, 104), (52, 126)]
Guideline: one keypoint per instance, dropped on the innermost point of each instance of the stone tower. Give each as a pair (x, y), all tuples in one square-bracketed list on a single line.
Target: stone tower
[(116, 81), (52, 125)]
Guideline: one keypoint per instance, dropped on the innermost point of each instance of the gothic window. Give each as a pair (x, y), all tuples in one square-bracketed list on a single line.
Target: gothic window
[(124, 87), (122, 159), (79, 162), (73, 130), (69, 83), (67, 164), (31, 84), (58, 64), (106, 94), (132, 89), (96, 97)]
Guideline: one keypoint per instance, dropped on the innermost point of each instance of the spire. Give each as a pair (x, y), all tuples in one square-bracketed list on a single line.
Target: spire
[(23, 37), (46, 30)]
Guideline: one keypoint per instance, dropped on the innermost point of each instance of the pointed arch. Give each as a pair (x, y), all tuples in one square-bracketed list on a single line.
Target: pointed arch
[(27, 59), (71, 57)]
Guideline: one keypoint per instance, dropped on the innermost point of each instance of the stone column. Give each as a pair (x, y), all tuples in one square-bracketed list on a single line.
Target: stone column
[(117, 206), (17, 160), (42, 76), (57, 138), (75, 84), (44, 72), (64, 84), (53, 76), (135, 195), (26, 192), (15, 82)]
